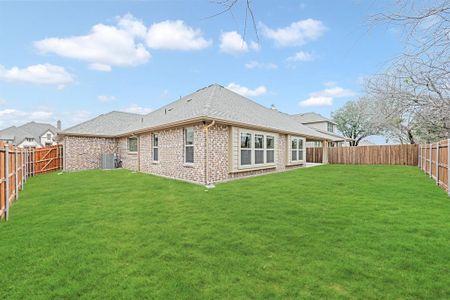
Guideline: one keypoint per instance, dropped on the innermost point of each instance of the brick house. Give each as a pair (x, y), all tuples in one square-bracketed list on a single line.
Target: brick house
[(209, 136)]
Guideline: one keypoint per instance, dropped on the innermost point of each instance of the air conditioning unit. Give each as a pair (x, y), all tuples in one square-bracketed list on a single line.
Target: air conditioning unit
[(108, 162)]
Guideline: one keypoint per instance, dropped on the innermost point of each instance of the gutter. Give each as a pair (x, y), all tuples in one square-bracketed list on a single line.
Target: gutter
[(206, 129)]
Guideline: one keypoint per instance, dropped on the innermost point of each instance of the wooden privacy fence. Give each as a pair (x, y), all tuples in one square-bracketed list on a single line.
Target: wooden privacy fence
[(314, 154), (17, 164), (368, 155), (434, 160)]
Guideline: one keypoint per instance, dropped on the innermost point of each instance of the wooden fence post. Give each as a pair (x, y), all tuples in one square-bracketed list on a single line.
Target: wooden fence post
[(448, 167), (16, 173), (7, 182), (431, 159), (437, 163)]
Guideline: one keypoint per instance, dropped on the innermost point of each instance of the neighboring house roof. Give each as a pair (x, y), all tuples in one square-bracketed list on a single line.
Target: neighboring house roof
[(335, 137), (210, 103), (311, 117), (105, 125), (33, 130)]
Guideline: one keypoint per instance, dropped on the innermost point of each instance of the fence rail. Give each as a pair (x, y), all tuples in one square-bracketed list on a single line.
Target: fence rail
[(368, 155), (17, 164), (434, 159)]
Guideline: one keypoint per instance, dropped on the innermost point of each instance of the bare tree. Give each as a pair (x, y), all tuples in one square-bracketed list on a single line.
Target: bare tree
[(415, 90), (227, 6)]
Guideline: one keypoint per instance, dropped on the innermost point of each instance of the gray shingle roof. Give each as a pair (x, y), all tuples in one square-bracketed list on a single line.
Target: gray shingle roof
[(212, 102), (105, 125), (311, 117), (29, 130)]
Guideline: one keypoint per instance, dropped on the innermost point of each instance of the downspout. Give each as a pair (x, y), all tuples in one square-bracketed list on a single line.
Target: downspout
[(206, 128)]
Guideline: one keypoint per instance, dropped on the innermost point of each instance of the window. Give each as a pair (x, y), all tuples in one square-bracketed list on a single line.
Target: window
[(330, 127), (189, 145), (256, 149), (155, 148), (49, 136), (246, 149), (297, 149), (259, 149), (132, 144), (270, 149)]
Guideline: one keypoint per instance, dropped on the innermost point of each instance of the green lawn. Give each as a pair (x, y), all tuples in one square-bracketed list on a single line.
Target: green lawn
[(326, 232)]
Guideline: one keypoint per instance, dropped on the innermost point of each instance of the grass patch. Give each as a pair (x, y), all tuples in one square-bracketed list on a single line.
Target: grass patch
[(325, 232)]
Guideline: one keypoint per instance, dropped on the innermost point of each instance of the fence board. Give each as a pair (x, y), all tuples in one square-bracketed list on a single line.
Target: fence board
[(434, 161), (17, 164), (369, 155)]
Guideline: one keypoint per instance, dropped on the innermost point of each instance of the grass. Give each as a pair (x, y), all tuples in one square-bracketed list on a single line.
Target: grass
[(326, 232)]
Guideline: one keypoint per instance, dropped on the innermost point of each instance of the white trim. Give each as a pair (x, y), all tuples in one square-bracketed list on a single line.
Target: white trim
[(253, 150)]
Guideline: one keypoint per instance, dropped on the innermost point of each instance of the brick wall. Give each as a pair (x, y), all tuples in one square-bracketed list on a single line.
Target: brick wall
[(84, 153)]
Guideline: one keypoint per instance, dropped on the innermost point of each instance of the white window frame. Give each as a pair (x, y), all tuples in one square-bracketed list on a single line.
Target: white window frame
[(298, 150), (185, 130), (252, 149), (128, 144), (330, 126), (155, 135)]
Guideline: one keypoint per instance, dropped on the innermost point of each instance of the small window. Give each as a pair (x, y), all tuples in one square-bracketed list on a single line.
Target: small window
[(155, 147), (270, 146), (189, 145), (49, 136), (330, 127), (132, 144), (297, 149), (246, 149)]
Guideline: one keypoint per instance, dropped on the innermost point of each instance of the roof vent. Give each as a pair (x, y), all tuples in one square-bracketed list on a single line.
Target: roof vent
[(189, 100), (273, 107)]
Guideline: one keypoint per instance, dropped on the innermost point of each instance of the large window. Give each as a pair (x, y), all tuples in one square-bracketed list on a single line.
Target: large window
[(259, 149), (132, 144), (270, 149), (246, 149), (155, 147), (256, 149), (297, 149), (189, 145)]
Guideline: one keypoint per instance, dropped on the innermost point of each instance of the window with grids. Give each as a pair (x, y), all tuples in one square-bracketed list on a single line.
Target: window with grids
[(297, 149), (132, 144), (155, 147), (256, 149), (189, 145), (330, 127)]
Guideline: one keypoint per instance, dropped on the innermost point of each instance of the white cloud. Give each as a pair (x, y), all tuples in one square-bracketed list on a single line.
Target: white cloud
[(11, 116), (330, 83), (104, 98), (232, 43), (38, 74), (134, 108), (132, 25), (246, 92), (326, 96), (260, 65), (317, 101), (296, 34), (301, 56), (100, 67), (175, 35), (104, 46), (335, 92)]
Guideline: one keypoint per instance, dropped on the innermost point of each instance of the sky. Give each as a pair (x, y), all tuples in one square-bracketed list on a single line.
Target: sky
[(75, 60)]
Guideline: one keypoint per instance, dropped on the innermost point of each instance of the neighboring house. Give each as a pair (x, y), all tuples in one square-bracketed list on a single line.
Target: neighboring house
[(323, 125), (31, 135), (209, 136)]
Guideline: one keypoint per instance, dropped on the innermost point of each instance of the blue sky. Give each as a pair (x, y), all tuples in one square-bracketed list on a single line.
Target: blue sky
[(73, 61)]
